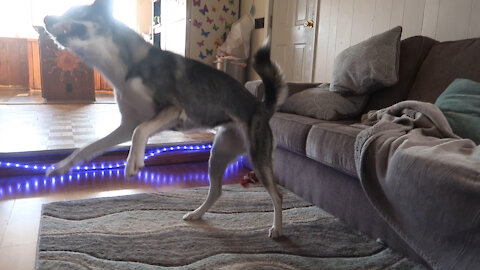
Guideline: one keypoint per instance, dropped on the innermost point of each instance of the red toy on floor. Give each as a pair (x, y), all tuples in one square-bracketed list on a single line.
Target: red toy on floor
[(249, 178)]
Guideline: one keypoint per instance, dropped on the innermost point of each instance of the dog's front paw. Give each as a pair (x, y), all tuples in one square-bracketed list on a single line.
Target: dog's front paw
[(194, 215), (274, 232), (134, 165), (58, 169)]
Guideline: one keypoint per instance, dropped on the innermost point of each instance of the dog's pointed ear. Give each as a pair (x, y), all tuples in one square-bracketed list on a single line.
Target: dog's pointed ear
[(105, 6)]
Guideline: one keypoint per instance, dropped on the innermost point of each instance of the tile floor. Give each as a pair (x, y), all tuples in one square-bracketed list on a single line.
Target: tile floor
[(67, 126), (32, 96)]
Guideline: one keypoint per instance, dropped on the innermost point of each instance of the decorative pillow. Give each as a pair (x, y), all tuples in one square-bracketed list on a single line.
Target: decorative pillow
[(460, 103), (323, 104), (368, 65)]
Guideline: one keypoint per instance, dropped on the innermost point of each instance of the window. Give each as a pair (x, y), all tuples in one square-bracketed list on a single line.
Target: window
[(18, 16)]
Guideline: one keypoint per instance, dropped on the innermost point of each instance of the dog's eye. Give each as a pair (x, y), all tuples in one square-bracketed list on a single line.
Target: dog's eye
[(78, 30)]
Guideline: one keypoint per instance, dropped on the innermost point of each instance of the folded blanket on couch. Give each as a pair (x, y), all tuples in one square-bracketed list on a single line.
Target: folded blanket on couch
[(424, 181)]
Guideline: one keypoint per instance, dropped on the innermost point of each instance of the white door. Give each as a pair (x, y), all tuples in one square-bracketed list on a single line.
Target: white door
[(293, 37), (174, 26)]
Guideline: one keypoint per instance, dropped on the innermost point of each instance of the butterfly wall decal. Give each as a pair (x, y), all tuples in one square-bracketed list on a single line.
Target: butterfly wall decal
[(217, 43), (228, 26), (215, 27), (231, 2), (209, 20), (197, 23), (202, 56), (214, 9), (234, 13), (196, 3), (222, 19), (205, 34), (209, 52), (225, 9), (201, 43), (204, 10)]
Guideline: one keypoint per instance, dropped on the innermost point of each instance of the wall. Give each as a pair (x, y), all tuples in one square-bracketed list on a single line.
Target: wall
[(144, 16), (34, 75), (343, 23), (14, 63), (174, 26), (211, 22), (263, 8)]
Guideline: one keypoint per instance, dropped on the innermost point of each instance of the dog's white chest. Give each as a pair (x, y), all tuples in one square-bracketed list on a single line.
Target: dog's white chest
[(133, 97)]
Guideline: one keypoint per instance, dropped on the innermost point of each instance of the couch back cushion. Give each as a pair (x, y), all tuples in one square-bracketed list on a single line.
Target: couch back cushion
[(413, 51), (446, 62), (369, 65), (460, 103)]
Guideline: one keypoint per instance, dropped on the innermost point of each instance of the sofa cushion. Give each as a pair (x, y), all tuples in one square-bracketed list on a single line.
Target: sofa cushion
[(257, 88), (368, 65), (320, 103), (446, 62), (413, 51), (291, 130), (333, 144), (460, 103)]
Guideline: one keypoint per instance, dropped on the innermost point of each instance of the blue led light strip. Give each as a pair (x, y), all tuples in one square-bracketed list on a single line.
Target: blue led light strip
[(24, 186), (109, 165)]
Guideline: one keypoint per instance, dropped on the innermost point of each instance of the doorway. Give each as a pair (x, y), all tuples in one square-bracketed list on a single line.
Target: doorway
[(293, 37)]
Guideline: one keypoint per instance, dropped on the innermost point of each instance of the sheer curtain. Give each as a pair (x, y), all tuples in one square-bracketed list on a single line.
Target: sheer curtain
[(18, 16)]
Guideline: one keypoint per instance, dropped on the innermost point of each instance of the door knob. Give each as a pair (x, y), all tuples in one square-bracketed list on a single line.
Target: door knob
[(308, 24)]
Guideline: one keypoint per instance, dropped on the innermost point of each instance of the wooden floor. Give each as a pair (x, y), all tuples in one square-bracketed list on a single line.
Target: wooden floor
[(20, 209)]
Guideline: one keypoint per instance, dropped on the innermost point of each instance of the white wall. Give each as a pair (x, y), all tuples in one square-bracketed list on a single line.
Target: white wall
[(263, 9), (343, 23)]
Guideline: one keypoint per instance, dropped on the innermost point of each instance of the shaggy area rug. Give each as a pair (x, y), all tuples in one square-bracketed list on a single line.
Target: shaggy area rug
[(146, 231)]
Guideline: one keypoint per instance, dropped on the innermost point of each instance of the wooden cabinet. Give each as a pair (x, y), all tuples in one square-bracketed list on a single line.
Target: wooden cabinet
[(63, 75)]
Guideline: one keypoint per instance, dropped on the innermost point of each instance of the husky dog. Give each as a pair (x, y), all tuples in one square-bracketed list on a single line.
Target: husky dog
[(158, 90)]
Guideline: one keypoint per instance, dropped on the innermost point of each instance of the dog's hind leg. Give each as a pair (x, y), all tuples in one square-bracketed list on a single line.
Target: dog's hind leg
[(261, 153), (164, 120), (228, 145)]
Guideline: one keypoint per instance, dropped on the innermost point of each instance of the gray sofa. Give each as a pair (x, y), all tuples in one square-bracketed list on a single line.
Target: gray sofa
[(315, 158)]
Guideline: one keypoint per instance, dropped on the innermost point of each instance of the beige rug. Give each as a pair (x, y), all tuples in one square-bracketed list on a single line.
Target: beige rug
[(146, 231)]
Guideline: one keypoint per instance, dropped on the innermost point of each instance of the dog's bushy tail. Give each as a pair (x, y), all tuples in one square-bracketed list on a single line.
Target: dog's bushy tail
[(276, 90)]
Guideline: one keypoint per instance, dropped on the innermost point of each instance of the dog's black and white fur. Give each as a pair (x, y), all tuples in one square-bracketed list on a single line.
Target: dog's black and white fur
[(158, 90)]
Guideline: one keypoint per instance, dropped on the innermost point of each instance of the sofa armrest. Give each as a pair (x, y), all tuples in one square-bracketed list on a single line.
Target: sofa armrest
[(295, 87), (257, 88)]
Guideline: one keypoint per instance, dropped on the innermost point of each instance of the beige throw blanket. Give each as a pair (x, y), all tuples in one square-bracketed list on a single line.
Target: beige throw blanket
[(424, 180)]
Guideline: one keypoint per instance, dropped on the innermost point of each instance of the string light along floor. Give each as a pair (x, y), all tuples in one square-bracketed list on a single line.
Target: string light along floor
[(41, 167), (103, 171)]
